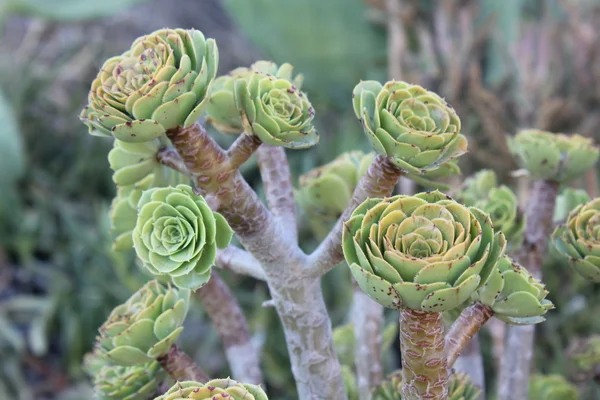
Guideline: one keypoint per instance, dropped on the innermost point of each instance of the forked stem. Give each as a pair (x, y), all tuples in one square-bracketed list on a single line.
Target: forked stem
[(424, 364), (181, 367)]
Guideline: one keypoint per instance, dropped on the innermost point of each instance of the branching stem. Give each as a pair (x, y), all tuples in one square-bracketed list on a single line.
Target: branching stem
[(232, 327), (181, 367)]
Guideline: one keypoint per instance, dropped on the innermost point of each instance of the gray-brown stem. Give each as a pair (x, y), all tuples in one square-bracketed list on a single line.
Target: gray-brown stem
[(424, 365), (378, 181), (515, 366), (367, 318), (181, 367), (239, 261), (229, 320), (242, 149), (297, 296), (468, 323), (470, 362), (169, 157), (279, 192)]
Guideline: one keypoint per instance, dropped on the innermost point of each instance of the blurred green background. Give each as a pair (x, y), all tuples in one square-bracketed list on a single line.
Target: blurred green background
[(502, 65)]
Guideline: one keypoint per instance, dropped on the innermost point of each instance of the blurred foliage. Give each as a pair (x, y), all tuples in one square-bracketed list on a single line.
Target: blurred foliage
[(58, 277), (66, 9)]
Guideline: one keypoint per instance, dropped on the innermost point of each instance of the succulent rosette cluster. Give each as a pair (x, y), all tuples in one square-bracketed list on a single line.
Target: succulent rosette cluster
[(145, 326), (579, 239), (216, 389), (160, 83), (459, 388), (221, 109), (515, 296), (551, 387), (275, 110), (177, 234), (136, 169), (424, 252), (325, 192), (416, 128), (552, 156), (500, 202)]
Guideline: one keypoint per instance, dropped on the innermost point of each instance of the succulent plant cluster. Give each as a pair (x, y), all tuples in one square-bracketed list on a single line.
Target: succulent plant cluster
[(553, 157), (579, 239), (424, 252), (177, 234), (482, 191), (144, 327), (215, 389)]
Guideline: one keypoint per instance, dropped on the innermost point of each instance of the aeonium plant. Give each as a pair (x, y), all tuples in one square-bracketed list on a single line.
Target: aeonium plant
[(180, 199)]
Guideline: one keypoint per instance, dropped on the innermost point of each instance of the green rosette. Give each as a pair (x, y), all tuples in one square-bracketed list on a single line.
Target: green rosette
[(553, 156), (275, 111), (216, 389), (579, 239), (177, 234), (424, 252), (145, 326), (515, 296), (221, 110), (413, 126), (500, 202), (160, 83)]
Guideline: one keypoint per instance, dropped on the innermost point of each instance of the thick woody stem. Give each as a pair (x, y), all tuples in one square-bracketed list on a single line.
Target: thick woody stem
[(468, 323), (169, 157), (277, 181), (296, 295), (232, 327), (378, 181), (239, 261), (424, 364), (367, 319), (241, 150), (181, 367), (515, 366)]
